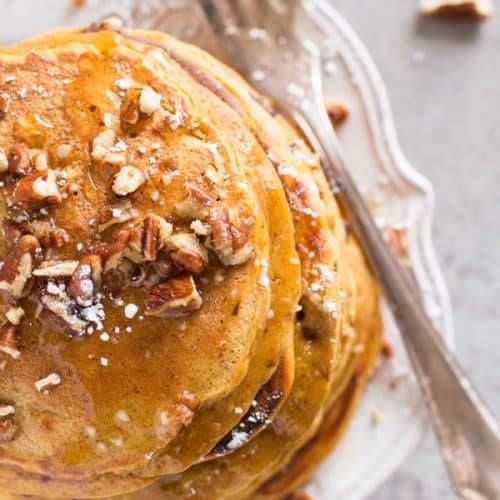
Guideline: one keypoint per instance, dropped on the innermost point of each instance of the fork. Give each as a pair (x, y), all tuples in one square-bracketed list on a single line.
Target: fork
[(260, 38)]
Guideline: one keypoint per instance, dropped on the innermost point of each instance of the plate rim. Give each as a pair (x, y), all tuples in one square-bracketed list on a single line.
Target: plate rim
[(428, 257)]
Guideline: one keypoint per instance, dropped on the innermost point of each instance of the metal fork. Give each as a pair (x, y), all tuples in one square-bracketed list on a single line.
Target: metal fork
[(259, 38)]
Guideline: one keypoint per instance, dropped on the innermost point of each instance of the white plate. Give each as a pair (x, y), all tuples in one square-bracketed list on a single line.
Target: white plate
[(400, 196)]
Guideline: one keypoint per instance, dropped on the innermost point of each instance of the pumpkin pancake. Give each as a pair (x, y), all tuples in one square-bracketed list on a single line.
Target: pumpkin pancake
[(367, 329), (316, 335), (216, 398), (102, 381)]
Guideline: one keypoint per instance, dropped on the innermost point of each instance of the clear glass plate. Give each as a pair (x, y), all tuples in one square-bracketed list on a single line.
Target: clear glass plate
[(391, 418)]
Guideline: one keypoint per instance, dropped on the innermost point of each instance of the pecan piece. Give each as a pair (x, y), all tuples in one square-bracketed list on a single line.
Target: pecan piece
[(145, 242), (149, 100), (174, 298), (48, 235), (187, 252), (62, 269), (117, 214), (64, 311), (4, 103), (19, 160), (4, 162), (128, 180), (478, 9), (8, 429), (36, 188), (196, 204), (8, 341), (112, 253), (337, 112), (101, 144), (130, 108), (17, 268), (11, 230), (111, 23), (86, 280)]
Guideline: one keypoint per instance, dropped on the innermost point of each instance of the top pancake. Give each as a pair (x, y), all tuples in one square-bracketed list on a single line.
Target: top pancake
[(124, 379)]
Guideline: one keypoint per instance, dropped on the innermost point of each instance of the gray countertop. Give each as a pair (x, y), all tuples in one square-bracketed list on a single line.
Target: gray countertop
[(443, 80)]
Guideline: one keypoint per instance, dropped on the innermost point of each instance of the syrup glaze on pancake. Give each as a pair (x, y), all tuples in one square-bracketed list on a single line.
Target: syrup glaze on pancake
[(317, 328), (100, 382), (366, 328), (287, 411)]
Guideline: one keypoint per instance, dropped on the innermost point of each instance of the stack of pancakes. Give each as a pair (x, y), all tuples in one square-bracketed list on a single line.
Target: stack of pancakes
[(183, 313)]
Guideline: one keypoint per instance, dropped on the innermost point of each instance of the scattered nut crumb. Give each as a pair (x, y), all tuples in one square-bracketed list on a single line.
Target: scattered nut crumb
[(337, 111), (387, 349), (6, 410), (476, 9), (52, 379), (15, 315), (128, 180), (149, 100)]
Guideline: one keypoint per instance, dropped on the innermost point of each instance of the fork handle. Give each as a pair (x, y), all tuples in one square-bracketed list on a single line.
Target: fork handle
[(468, 432)]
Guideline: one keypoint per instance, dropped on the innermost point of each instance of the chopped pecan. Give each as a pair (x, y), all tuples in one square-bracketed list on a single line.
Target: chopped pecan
[(112, 253), (4, 103), (196, 205), (149, 100), (8, 341), (4, 162), (64, 310), (229, 243), (86, 280), (145, 242), (11, 230), (59, 237), (18, 266), (40, 162), (174, 298), (130, 108), (128, 180), (19, 160), (101, 144), (337, 112), (117, 214), (50, 269), (151, 237), (187, 252), (14, 315), (112, 23), (479, 9), (63, 151), (8, 429), (48, 235), (39, 187)]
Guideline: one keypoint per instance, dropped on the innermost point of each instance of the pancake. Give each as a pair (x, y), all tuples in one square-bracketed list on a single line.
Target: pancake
[(316, 336), (366, 328), (249, 390), (179, 384)]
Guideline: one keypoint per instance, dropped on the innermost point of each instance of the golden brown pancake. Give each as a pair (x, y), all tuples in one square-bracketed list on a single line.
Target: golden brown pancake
[(247, 395), (128, 395)]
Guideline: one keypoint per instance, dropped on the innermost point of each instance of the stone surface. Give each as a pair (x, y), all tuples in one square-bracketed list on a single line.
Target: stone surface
[(443, 82)]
